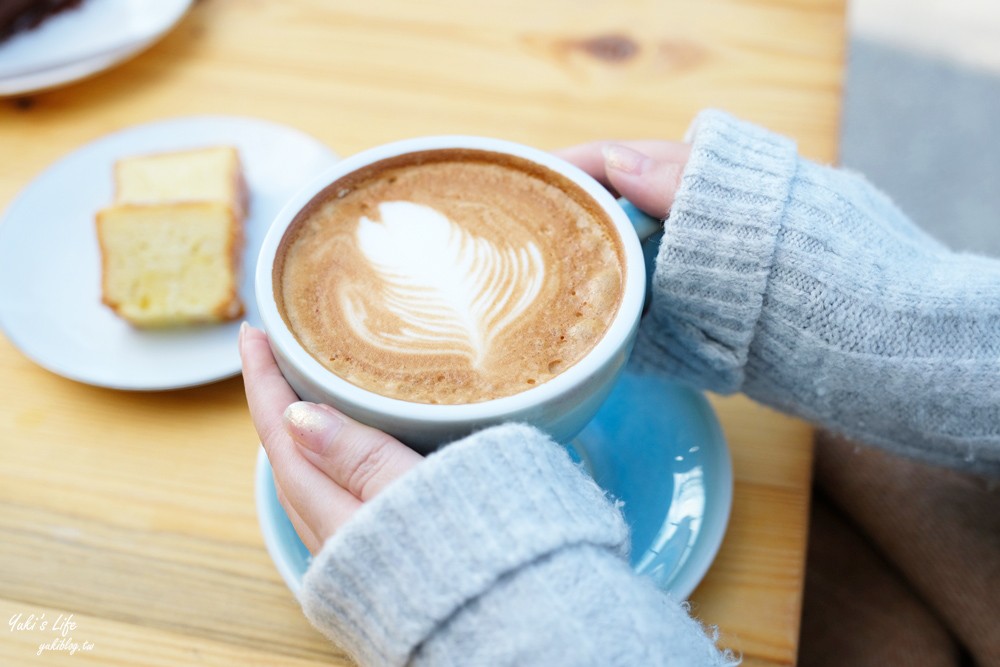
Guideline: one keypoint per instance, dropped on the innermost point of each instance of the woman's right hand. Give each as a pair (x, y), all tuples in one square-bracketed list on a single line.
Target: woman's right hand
[(647, 173)]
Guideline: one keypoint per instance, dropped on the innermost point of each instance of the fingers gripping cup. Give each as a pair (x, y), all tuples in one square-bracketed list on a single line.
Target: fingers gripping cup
[(436, 286)]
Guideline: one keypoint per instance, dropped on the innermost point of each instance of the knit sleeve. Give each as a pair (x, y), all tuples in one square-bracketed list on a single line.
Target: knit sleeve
[(806, 288), (496, 550)]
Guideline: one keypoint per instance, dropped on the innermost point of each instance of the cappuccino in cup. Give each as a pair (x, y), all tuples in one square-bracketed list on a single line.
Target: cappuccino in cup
[(435, 286), (450, 276)]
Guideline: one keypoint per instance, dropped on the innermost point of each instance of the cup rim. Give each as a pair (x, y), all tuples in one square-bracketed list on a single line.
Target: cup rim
[(610, 344)]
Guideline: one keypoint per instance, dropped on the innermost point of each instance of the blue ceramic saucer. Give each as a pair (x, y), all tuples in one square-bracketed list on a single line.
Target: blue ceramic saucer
[(655, 445)]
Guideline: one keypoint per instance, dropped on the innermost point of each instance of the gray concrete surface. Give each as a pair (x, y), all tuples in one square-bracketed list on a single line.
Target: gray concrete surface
[(927, 131)]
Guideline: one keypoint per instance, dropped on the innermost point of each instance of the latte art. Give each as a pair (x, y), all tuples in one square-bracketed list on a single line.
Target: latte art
[(449, 291), (450, 276)]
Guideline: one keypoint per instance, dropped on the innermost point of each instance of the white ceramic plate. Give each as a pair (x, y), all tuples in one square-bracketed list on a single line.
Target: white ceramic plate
[(82, 41), (50, 292)]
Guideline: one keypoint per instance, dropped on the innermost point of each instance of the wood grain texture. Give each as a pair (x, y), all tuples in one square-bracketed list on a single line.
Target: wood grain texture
[(134, 512)]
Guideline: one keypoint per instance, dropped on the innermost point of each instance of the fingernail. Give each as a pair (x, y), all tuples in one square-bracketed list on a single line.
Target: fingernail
[(311, 426), (243, 330), (622, 158)]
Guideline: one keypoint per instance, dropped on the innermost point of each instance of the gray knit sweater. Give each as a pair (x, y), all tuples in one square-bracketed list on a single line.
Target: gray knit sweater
[(798, 284)]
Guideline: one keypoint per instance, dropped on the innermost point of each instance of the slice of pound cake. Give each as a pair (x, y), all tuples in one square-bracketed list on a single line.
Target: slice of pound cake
[(167, 264), (205, 174), (172, 242)]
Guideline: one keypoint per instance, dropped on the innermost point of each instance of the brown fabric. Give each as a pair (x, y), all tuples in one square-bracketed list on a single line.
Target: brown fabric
[(857, 610), (938, 529)]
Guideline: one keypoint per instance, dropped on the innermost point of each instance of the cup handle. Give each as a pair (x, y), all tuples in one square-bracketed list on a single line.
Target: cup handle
[(645, 225), (650, 231)]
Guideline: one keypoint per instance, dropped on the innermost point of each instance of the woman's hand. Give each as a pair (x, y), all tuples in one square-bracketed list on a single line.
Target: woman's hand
[(647, 173), (325, 464)]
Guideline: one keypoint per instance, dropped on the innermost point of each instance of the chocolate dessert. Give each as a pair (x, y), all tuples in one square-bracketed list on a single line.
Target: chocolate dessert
[(19, 15)]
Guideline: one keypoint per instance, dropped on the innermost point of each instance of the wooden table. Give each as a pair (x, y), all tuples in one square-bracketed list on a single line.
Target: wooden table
[(133, 511)]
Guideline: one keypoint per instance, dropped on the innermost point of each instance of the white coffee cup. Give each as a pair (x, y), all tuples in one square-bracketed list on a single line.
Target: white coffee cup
[(562, 406)]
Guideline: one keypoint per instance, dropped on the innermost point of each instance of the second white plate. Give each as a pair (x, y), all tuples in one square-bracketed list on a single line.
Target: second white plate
[(50, 286), (82, 41)]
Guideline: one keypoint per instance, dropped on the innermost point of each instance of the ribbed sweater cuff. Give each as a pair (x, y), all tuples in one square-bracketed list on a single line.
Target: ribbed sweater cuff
[(446, 532), (718, 245)]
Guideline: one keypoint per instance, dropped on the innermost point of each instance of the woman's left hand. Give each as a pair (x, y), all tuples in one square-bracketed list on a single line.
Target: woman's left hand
[(326, 465)]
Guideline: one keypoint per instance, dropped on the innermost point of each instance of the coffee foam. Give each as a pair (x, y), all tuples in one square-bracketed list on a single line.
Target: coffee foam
[(450, 276), (452, 292)]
